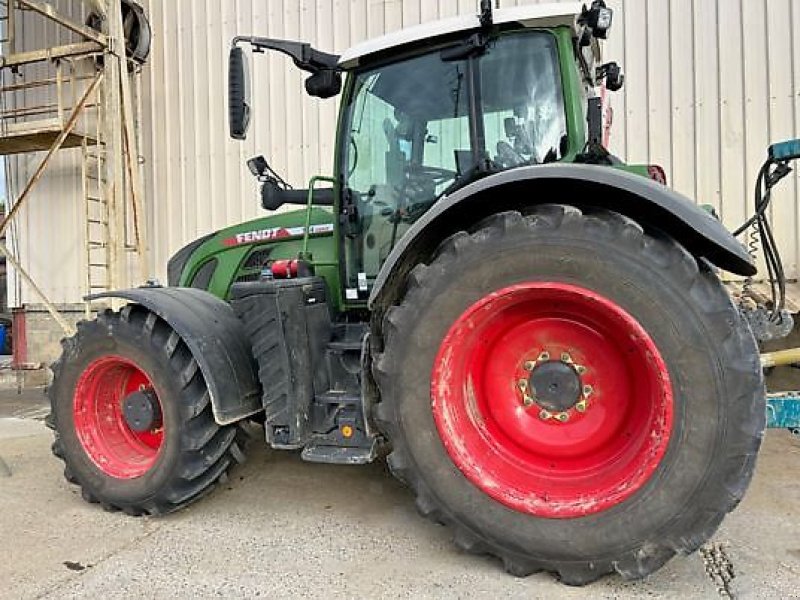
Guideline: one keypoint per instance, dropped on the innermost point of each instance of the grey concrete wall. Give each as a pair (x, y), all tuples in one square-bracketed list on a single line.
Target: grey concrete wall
[(44, 334)]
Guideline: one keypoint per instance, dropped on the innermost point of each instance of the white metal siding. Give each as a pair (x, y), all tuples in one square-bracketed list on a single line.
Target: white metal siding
[(709, 84)]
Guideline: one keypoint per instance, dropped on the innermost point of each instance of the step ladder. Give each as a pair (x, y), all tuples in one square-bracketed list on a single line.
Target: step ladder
[(96, 221), (97, 212), (96, 209)]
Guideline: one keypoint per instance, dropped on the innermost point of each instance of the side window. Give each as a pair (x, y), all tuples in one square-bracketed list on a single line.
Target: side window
[(373, 120), (408, 141), (523, 100)]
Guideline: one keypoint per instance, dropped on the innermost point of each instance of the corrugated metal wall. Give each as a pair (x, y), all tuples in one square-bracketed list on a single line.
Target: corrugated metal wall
[(709, 84)]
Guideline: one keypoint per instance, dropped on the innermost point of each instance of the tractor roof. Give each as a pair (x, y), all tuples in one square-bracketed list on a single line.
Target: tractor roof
[(538, 15)]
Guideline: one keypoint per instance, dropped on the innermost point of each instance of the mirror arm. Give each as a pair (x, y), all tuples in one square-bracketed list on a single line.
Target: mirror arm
[(304, 56)]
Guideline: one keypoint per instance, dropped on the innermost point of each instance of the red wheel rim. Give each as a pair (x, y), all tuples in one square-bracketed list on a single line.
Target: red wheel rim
[(115, 448), (533, 458)]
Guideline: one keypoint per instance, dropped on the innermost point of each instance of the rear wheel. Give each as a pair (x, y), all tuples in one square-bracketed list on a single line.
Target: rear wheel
[(571, 394), (132, 416)]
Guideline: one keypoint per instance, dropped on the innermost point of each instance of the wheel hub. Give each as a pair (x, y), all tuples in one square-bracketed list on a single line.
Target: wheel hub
[(141, 411), (556, 386), (118, 417)]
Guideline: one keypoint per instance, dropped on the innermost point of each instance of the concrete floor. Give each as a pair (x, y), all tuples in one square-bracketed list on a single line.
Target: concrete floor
[(284, 528)]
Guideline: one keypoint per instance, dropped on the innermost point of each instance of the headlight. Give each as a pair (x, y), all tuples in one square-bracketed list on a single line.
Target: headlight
[(604, 18)]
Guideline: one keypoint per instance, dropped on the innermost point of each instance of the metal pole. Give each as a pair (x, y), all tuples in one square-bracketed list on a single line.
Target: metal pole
[(780, 358), (114, 64), (87, 225), (25, 58), (11, 26), (132, 154), (309, 207)]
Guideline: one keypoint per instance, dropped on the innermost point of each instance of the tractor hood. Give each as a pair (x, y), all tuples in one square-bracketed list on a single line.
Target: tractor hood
[(213, 262)]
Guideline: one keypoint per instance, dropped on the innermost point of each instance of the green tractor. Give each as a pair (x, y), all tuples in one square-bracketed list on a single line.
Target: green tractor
[(532, 333)]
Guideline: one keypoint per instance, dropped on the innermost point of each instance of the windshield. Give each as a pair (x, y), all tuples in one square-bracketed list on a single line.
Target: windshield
[(422, 127)]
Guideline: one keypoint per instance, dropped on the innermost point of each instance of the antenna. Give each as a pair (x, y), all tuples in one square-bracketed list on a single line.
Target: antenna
[(486, 17)]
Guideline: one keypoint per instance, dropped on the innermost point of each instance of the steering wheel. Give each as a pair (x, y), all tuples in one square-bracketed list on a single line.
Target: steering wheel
[(435, 174)]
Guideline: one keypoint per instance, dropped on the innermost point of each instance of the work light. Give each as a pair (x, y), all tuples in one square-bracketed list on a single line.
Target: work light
[(599, 19)]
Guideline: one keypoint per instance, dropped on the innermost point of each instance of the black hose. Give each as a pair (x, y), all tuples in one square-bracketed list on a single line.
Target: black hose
[(761, 203), (768, 177)]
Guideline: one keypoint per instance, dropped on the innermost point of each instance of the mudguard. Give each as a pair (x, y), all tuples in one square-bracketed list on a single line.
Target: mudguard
[(217, 340), (647, 202)]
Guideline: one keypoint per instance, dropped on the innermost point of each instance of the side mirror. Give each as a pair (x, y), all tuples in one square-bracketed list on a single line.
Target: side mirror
[(238, 93), (324, 84), (258, 166)]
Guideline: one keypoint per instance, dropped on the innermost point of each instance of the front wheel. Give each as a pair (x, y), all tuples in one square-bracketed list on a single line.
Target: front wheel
[(132, 416), (571, 394)]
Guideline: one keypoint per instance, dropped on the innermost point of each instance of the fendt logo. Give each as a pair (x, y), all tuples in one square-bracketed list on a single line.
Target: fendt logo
[(276, 233)]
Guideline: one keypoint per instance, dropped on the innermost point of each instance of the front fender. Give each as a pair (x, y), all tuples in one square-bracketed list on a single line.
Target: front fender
[(215, 337), (647, 202)]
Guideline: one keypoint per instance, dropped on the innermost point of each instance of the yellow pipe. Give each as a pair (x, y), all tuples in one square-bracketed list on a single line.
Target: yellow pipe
[(780, 358)]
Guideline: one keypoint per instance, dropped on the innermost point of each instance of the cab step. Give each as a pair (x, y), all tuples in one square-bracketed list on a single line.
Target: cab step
[(322, 450), (338, 398), (345, 346)]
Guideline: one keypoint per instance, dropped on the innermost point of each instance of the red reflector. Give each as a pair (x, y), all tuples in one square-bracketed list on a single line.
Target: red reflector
[(657, 173)]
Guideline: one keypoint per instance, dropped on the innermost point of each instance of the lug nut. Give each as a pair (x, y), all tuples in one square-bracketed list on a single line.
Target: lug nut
[(563, 417), (581, 406), (544, 356), (527, 401), (580, 369), (530, 365), (544, 415), (587, 390), (523, 384), (565, 357)]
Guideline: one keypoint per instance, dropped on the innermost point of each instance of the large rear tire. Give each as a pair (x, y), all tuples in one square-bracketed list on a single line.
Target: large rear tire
[(570, 394), (167, 450)]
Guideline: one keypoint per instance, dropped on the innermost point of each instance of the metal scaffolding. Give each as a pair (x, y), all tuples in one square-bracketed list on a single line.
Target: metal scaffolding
[(90, 86)]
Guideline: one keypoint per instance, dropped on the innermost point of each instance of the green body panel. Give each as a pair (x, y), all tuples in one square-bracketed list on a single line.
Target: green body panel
[(325, 249), (574, 102), (233, 246)]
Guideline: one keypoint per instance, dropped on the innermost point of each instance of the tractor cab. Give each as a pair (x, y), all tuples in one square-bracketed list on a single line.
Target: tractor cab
[(418, 129), (430, 109)]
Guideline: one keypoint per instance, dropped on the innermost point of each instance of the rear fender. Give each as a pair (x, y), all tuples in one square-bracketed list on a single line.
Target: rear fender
[(654, 206), (217, 340)]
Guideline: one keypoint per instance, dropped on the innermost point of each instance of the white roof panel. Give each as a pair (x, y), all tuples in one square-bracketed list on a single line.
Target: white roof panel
[(537, 15)]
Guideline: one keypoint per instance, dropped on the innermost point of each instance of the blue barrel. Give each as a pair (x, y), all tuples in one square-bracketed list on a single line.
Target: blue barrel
[(2, 338)]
